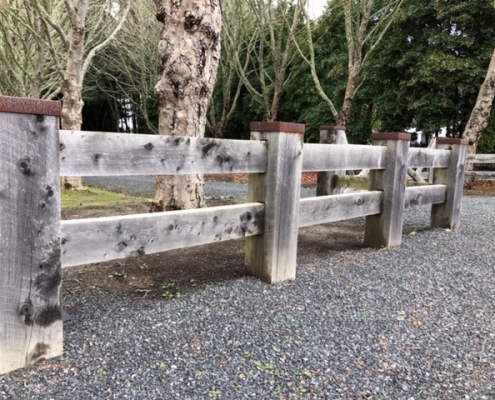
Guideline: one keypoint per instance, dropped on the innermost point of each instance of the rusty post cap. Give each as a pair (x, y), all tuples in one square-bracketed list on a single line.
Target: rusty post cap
[(286, 127), (23, 105)]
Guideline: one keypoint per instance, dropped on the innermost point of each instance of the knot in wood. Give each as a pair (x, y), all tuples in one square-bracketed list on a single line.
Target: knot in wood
[(25, 166), (26, 309)]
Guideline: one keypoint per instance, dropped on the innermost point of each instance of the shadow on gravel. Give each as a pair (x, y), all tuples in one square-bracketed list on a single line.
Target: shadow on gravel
[(173, 273)]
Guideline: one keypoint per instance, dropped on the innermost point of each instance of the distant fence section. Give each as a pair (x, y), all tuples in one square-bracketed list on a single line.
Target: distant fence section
[(37, 244), (481, 159)]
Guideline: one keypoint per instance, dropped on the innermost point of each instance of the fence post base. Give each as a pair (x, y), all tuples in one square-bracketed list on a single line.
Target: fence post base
[(30, 266), (448, 214), (272, 255), (385, 229)]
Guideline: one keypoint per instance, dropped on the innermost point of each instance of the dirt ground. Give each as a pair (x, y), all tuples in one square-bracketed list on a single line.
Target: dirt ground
[(173, 273)]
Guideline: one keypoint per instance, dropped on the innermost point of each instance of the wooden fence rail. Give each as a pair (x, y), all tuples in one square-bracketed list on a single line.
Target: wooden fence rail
[(481, 159), (38, 244)]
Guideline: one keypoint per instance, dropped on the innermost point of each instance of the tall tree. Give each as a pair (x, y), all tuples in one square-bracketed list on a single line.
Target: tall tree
[(479, 118), (125, 72), (237, 41), (269, 50), (78, 61), (365, 23), (58, 48), (27, 49), (429, 69), (189, 53)]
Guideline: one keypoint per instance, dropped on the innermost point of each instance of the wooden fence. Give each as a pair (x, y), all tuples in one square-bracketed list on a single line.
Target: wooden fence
[(481, 159), (37, 244)]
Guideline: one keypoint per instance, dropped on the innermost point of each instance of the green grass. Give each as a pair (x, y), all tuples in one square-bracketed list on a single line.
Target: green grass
[(92, 197)]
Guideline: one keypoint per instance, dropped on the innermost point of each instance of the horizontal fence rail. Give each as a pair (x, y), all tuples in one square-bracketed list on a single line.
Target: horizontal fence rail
[(481, 159), (323, 209), (433, 158), (481, 175), (106, 154), (333, 157), (92, 240), (425, 195)]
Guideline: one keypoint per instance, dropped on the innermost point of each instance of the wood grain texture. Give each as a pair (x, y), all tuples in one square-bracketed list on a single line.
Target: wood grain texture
[(424, 195), (30, 273), (480, 158), (323, 209), (101, 239), (335, 157), (385, 229), (418, 157), (448, 214), (106, 154), (272, 256)]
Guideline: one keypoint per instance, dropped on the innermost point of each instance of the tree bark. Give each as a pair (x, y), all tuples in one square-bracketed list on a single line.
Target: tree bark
[(350, 92), (72, 84), (480, 115), (189, 53)]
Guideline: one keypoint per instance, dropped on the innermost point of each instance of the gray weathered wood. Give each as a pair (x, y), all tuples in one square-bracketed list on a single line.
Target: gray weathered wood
[(480, 158), (481, 175), (424, 195), (332, 157), (385, 229), (323, 209), (272, 256), (448, 214), (30, 274), (435, 158), (99, 153), (94, 240), (325, 184)]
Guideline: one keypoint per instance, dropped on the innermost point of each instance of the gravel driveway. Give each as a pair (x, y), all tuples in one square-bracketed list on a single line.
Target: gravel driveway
[(417, 322)]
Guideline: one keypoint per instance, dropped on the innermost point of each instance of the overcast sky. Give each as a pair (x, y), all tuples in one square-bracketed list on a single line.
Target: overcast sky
[(316, 7)]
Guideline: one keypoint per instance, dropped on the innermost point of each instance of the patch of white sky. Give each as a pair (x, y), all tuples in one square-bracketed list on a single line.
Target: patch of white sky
[(316, 7)]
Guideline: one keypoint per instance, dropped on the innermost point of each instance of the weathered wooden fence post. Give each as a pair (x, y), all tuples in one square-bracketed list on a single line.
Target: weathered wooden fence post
[(385, 229), (326, 182), (448, 214), (30, 267), (272, 256)]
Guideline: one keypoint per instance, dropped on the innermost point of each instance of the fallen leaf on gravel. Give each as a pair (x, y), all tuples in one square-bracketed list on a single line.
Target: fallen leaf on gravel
[(416, 321)]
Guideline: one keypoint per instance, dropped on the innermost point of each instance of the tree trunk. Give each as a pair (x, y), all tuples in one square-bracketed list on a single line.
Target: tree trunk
[(480, 115), (345, 112), (72, 92), (189, 53)]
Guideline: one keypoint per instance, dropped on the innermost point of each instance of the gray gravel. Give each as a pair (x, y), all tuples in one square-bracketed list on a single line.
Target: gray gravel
[(145, 186), (416, 322)]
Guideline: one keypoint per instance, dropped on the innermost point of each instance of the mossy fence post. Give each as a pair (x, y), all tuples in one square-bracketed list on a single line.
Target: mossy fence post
[(30, 264), (272, 255)]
